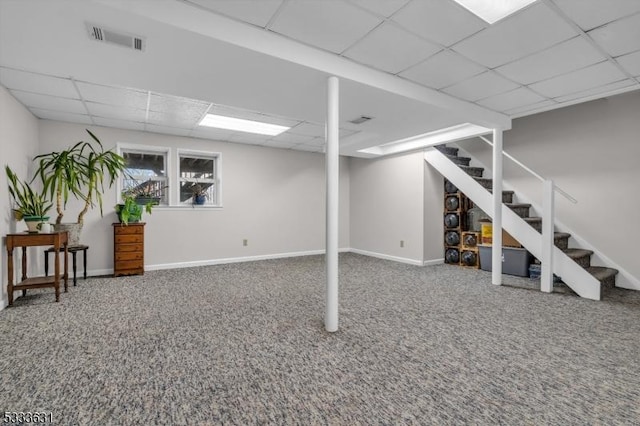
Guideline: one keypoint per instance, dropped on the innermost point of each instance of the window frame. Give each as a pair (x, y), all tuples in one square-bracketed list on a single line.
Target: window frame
[(217, 176), (121, 148)]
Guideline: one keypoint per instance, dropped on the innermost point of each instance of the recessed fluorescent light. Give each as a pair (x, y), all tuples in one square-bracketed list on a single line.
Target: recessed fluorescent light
[(241, 125), (492, 11)]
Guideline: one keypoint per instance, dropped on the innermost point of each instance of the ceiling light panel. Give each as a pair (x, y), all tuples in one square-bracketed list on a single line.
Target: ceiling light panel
[(441, 21), (631, 63), (37, 83), (481, 86), (182, 118), (529, 31), (241, 125), (619, 37), (113, 95), (329, 25), (68, 117), (589, 14), (493, 11), (391, 49), (565, 57), (511, 100), (384, 8), (119, 124), (605, 89), (34, 100), (116, 112), (442, 69), (254, 12), (251, 115), (584, 79)]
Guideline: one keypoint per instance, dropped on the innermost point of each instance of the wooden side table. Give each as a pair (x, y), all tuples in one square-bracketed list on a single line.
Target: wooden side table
[(59, 240)]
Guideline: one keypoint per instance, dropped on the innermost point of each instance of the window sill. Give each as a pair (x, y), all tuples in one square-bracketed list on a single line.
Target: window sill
[(187, 207)]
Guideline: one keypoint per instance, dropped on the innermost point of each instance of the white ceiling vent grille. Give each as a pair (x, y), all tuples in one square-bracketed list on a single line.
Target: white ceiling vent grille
[(106, 35)]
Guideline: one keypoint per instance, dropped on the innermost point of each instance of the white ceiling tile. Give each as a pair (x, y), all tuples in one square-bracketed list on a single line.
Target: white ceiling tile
[(317, 142), (37, 83), (288, 137), (607, 88), (174, 104), (113, 95), (309, 148), (532, 107), (308, 129), (249, 138), (167, 130), (254, 12), (116, 112), (512, 99), (589, 14), (384, 8), (441, 21), (529, 31), (35, 100), (391, 49), (60, 116), (211, 133), (183, 118), (481, 86), (565, 57), (631, 63), (276, 144), (577, 81), (343, 133), (118, 124), (330, 25), (442, 69), (619, 37)]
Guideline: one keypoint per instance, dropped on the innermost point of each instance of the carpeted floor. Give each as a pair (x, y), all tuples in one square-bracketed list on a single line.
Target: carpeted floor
[(245, 344)]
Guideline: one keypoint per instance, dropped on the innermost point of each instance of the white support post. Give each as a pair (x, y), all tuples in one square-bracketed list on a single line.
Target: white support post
[(546, 272), (496, 252), (333, 180)]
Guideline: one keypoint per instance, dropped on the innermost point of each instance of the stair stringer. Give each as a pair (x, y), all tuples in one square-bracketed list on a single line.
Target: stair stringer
[(576, 277)]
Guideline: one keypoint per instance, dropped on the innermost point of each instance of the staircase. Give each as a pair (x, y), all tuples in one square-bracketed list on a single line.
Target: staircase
[(604, 276)]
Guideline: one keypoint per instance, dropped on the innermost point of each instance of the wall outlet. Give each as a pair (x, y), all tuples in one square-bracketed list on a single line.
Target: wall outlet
[(401, 243), (245, 242)]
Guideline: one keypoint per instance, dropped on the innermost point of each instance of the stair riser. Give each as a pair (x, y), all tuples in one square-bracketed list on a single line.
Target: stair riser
[(474, 171), (521, 211), (486, 184), (562, 243), (507, 197), (536, 225), (609, 282), (584, 261), (461, 161)]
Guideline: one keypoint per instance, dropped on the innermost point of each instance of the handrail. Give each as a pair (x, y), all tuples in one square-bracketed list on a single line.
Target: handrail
[(512, 158)]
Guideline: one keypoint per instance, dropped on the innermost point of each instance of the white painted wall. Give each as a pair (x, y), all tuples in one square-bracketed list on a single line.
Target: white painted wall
[(387, 206), (18, 145), (275, 198), (592, 151), (433, 215)]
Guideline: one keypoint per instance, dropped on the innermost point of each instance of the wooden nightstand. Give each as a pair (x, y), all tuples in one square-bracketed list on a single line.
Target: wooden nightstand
[(128, 249)]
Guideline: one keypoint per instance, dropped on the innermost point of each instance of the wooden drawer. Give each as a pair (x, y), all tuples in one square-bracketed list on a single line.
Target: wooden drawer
[(129, 256), (129, 264), (135, 271), (129, 238), (129, 247), (130, 229)]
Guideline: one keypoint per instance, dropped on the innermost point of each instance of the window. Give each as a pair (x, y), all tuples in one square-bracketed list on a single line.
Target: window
[(199, 173), (145, 173)]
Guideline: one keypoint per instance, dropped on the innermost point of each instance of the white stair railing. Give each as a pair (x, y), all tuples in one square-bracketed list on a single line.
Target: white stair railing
[(576, 277)]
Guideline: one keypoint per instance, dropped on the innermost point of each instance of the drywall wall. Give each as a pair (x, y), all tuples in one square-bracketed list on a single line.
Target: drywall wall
[(387, 207), (18, 145), (591, 151), (433, 215), (274, 198)]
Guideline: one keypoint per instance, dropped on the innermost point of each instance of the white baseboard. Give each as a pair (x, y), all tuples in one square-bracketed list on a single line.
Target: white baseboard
[(433, 262), (387, 257)]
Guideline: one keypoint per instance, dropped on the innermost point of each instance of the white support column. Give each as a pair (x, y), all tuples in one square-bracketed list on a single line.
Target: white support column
[(546, 273), (332, 159), (496, 252)]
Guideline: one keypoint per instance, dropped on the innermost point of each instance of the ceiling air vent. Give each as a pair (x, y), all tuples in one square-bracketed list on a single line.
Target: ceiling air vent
[(106, 35), (360, 120)]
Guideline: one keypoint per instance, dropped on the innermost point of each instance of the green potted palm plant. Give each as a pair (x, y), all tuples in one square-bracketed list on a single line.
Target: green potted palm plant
[(30, 205), (81, 172), (130, 210)]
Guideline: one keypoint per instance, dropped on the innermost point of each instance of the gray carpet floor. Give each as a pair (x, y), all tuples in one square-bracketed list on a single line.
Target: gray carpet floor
[(245, 344)]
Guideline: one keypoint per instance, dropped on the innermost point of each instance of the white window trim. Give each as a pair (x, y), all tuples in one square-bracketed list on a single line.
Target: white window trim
[(217, 156), (139, 148)]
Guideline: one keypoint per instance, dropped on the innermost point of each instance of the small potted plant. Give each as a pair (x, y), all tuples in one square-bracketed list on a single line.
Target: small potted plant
[(130, 210), (199, 194), (30, 205)]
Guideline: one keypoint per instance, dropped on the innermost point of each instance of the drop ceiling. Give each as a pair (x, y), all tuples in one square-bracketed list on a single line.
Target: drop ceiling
[(415, 66)]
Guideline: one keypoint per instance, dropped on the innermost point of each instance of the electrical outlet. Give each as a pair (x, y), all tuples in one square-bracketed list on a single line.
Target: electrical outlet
[(401, 243), (245, 242)]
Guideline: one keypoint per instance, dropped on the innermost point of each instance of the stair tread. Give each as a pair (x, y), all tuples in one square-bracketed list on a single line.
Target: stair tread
[(457, 156), (532, 219), (601, 272), (575, 252), (561, 235), (516, 205), (471, 167)]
